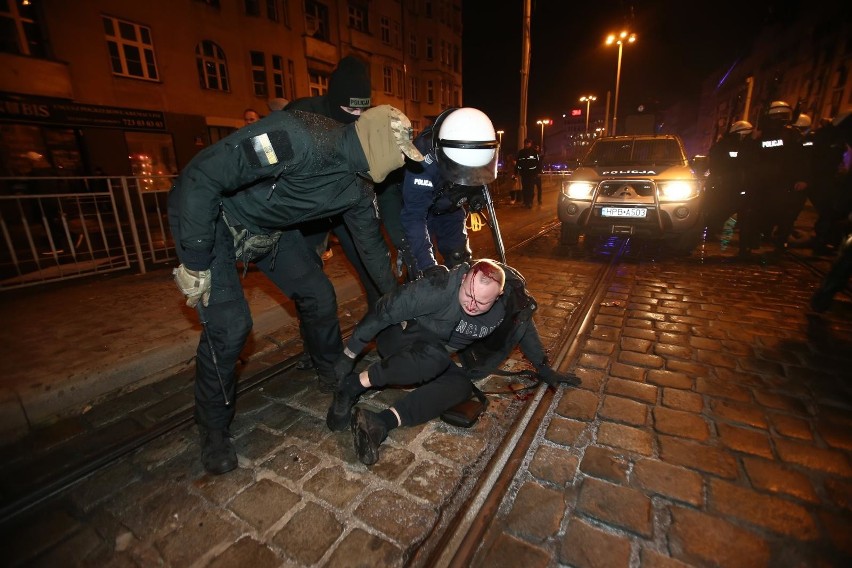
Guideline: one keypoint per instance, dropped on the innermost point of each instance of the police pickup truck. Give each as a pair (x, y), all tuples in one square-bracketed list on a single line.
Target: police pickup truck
[(640, 185)]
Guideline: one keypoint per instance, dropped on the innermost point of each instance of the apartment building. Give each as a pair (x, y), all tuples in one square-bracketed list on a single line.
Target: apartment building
[(122, 87)]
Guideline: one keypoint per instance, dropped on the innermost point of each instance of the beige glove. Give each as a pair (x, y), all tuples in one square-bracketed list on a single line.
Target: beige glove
[(194, 284)]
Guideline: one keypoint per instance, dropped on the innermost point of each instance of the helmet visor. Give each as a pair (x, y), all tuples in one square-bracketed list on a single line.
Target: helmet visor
[(466, 162)]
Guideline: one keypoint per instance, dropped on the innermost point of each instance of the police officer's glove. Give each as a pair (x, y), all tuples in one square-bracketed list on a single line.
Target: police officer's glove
[(344, 365), (194, 284), (554, 378), (435, 271)]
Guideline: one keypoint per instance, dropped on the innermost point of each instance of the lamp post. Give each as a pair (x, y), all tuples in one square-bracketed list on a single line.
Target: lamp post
[(588, 100), (543, 122), (622, 38), (500, 147)]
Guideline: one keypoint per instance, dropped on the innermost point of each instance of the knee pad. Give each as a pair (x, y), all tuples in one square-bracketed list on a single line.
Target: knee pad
[(459, 256)]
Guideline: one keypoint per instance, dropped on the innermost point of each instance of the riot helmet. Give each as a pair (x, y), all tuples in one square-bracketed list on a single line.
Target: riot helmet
[(780, 111), (803, 123), (741, 127), (465, 146)]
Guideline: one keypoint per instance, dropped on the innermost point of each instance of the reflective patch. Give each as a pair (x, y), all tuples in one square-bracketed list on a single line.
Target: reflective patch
[(268, 149)]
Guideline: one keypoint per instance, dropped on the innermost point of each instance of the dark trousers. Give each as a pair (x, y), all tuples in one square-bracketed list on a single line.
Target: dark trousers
[(415, 357), (528, 188), (297, 272)]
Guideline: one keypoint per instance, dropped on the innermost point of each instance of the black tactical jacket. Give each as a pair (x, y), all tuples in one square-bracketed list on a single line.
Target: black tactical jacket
[(287, 168), (433, 302)]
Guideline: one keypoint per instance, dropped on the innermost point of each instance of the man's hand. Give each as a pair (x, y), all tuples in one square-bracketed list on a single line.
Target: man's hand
[(434, 271), (555, 378), (344, 364), (194, 284)]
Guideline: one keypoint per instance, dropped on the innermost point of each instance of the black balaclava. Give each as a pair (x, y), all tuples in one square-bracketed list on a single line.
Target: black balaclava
[(349, 86)]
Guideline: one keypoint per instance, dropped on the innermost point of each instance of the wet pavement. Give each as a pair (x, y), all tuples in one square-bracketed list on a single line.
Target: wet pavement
[(712, 428)]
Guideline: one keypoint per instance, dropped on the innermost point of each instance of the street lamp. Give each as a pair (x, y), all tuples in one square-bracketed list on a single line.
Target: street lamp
[(543, 122), (588, 100), (620, 39)]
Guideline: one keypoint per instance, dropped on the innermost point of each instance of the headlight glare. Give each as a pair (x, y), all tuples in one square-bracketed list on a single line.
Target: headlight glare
[(678, 190), (578, 189)]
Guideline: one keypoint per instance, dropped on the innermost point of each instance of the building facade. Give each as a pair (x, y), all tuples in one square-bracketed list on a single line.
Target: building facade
[(121, 87)]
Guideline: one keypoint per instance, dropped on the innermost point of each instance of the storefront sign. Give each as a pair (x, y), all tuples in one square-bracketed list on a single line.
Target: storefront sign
[(75, 114)]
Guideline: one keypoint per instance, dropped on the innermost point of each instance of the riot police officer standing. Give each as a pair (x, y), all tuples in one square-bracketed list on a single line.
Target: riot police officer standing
[(460, 151), (777, 172)]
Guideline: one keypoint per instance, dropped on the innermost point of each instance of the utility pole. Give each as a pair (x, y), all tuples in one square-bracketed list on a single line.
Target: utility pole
[(525, 72)]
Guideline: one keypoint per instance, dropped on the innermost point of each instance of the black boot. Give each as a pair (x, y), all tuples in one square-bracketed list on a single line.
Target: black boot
[(327, 383), (217, 451), (345, 396), (368, 432)]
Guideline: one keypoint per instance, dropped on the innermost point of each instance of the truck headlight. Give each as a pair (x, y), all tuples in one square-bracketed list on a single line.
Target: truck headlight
[(578, 189), (677, 190)]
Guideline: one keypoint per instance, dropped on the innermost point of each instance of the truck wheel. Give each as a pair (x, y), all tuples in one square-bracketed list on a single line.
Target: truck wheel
[(569, 235)]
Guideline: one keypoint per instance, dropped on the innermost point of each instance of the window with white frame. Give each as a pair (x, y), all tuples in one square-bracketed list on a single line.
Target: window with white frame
[(430, 91), (258, 74), (387, 79), (396, 34), (278, 77), (20, 32), (131, 49), (358, 17), (212, 66), (412, 45), (272, 10), (318, 83), (384, 29), (414, 88), (316, 19)]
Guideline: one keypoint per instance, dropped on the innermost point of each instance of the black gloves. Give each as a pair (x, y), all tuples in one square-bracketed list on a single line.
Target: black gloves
[(343, 366), (555, 378), (435, 272)]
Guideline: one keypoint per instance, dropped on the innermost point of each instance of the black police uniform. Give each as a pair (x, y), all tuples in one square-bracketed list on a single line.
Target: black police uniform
[(286, 169)]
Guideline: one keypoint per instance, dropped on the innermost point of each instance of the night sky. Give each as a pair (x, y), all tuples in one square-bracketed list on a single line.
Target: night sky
[(679, 44)]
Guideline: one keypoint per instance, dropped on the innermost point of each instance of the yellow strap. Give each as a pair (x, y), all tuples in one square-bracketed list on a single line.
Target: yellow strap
[(475, 221)]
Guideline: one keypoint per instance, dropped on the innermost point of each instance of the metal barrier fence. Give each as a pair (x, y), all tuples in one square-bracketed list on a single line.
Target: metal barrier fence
[(59, 228)]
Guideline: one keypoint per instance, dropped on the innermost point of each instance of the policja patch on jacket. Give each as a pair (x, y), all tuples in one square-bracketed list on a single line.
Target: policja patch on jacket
[(268, 148)]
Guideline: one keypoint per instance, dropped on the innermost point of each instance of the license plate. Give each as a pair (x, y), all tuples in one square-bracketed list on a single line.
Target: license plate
[(623, 212)]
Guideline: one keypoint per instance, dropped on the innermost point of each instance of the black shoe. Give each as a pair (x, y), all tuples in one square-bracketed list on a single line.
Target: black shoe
[(368, 432), (327, 384), (217, 451), (340, 412)]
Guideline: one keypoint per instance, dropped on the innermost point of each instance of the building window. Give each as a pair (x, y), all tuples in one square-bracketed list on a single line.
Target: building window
[(291, 76), (396, 35), (387, 79), (430, 49), (358, 17), (412, 45), (430, 91), (212, 67), (131, 49), (252, 8), (278, 77), (211, 3), (427, 8), (272, 10), (316, 19), (384, 30), (318, 83), (414, 87), (258, 74), (20, 32)]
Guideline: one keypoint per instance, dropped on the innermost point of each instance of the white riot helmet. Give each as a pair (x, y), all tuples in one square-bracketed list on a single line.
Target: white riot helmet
[(803, 122), (465, 145), (741, 127), (780, 110)]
